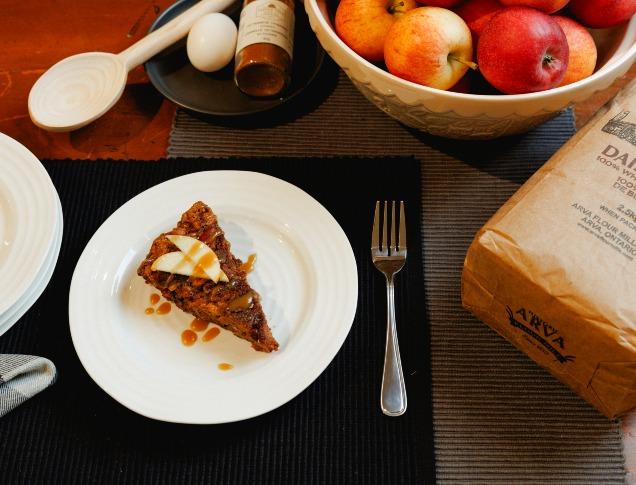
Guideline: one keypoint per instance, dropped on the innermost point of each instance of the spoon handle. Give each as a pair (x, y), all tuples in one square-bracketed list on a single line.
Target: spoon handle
[(170, 33)]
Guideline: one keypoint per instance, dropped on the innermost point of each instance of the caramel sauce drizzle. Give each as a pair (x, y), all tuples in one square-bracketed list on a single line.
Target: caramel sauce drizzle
[(187, 256), (248, 265), (205, 262), (154, 299), (225, 366), (198, 325), (211, 334), (164, 308), (242, 302), (188, 338)]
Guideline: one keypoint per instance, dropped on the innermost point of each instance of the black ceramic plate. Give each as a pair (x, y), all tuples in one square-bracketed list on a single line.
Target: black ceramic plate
[(215, 94)]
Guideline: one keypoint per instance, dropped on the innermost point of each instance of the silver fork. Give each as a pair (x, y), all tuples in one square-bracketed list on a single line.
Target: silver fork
[(388, 253)]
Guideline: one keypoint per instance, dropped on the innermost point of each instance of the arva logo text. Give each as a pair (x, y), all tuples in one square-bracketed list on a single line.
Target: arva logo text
[(544, 333)]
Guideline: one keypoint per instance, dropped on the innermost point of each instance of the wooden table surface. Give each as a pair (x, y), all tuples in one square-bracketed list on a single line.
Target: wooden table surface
[(139, 125), (136, 128)]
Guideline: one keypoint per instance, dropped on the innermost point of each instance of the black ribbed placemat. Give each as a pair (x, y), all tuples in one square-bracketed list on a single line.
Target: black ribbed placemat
[(332, 433)]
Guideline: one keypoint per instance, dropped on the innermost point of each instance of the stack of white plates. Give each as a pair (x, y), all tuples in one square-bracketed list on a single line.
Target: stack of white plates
[(30, 230)]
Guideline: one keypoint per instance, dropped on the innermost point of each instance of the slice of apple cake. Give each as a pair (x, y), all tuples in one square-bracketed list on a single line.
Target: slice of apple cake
[(193, 267)]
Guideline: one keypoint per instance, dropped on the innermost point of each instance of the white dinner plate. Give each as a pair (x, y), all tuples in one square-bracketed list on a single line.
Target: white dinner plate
[(24, 303), (28, 219), (305, 273)]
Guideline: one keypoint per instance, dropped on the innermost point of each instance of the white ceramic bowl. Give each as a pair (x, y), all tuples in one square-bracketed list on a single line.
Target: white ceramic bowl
[(456, 115)]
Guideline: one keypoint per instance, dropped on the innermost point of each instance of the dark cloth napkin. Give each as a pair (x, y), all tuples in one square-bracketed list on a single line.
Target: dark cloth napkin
[(332, 433)]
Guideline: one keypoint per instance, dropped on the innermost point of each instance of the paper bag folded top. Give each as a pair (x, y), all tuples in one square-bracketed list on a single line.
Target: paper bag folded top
[(554, 270)]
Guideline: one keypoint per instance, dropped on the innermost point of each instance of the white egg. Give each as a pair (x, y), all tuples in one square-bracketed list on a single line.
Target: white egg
[(212, 42)]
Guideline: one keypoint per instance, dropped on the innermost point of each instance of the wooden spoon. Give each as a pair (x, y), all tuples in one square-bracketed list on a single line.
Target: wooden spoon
[(81, 88)]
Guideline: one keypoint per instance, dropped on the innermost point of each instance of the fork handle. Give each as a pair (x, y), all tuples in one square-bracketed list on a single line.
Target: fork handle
[(393, 393)]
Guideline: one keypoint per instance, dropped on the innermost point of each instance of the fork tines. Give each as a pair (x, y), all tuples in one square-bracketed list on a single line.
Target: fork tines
[(389, 231)]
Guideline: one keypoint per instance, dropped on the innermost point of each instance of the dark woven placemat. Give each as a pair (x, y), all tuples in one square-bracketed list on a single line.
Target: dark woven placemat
[(498, 417), (333, 433)]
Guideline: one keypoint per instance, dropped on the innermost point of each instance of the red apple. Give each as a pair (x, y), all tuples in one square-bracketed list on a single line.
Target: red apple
[(600, 14), (547, 6), (477, 13), (430, 46), (582, 59), (441, 3), (363, 24), (522, 50)]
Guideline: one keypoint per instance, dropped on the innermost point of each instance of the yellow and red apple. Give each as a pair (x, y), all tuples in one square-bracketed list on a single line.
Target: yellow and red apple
[(430, 46), (363, 24), (582, 58)]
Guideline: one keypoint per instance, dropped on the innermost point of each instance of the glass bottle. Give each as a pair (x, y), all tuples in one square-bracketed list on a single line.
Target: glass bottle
[(264, 48)]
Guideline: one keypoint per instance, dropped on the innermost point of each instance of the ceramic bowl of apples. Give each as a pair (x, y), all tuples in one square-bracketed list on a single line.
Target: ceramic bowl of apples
[(477, 69)]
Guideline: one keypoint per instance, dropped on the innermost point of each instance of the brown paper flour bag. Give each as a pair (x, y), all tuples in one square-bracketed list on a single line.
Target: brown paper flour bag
[(554, 270)]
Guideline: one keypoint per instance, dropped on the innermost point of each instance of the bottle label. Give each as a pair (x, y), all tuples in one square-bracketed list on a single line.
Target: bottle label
[(268, 21)]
